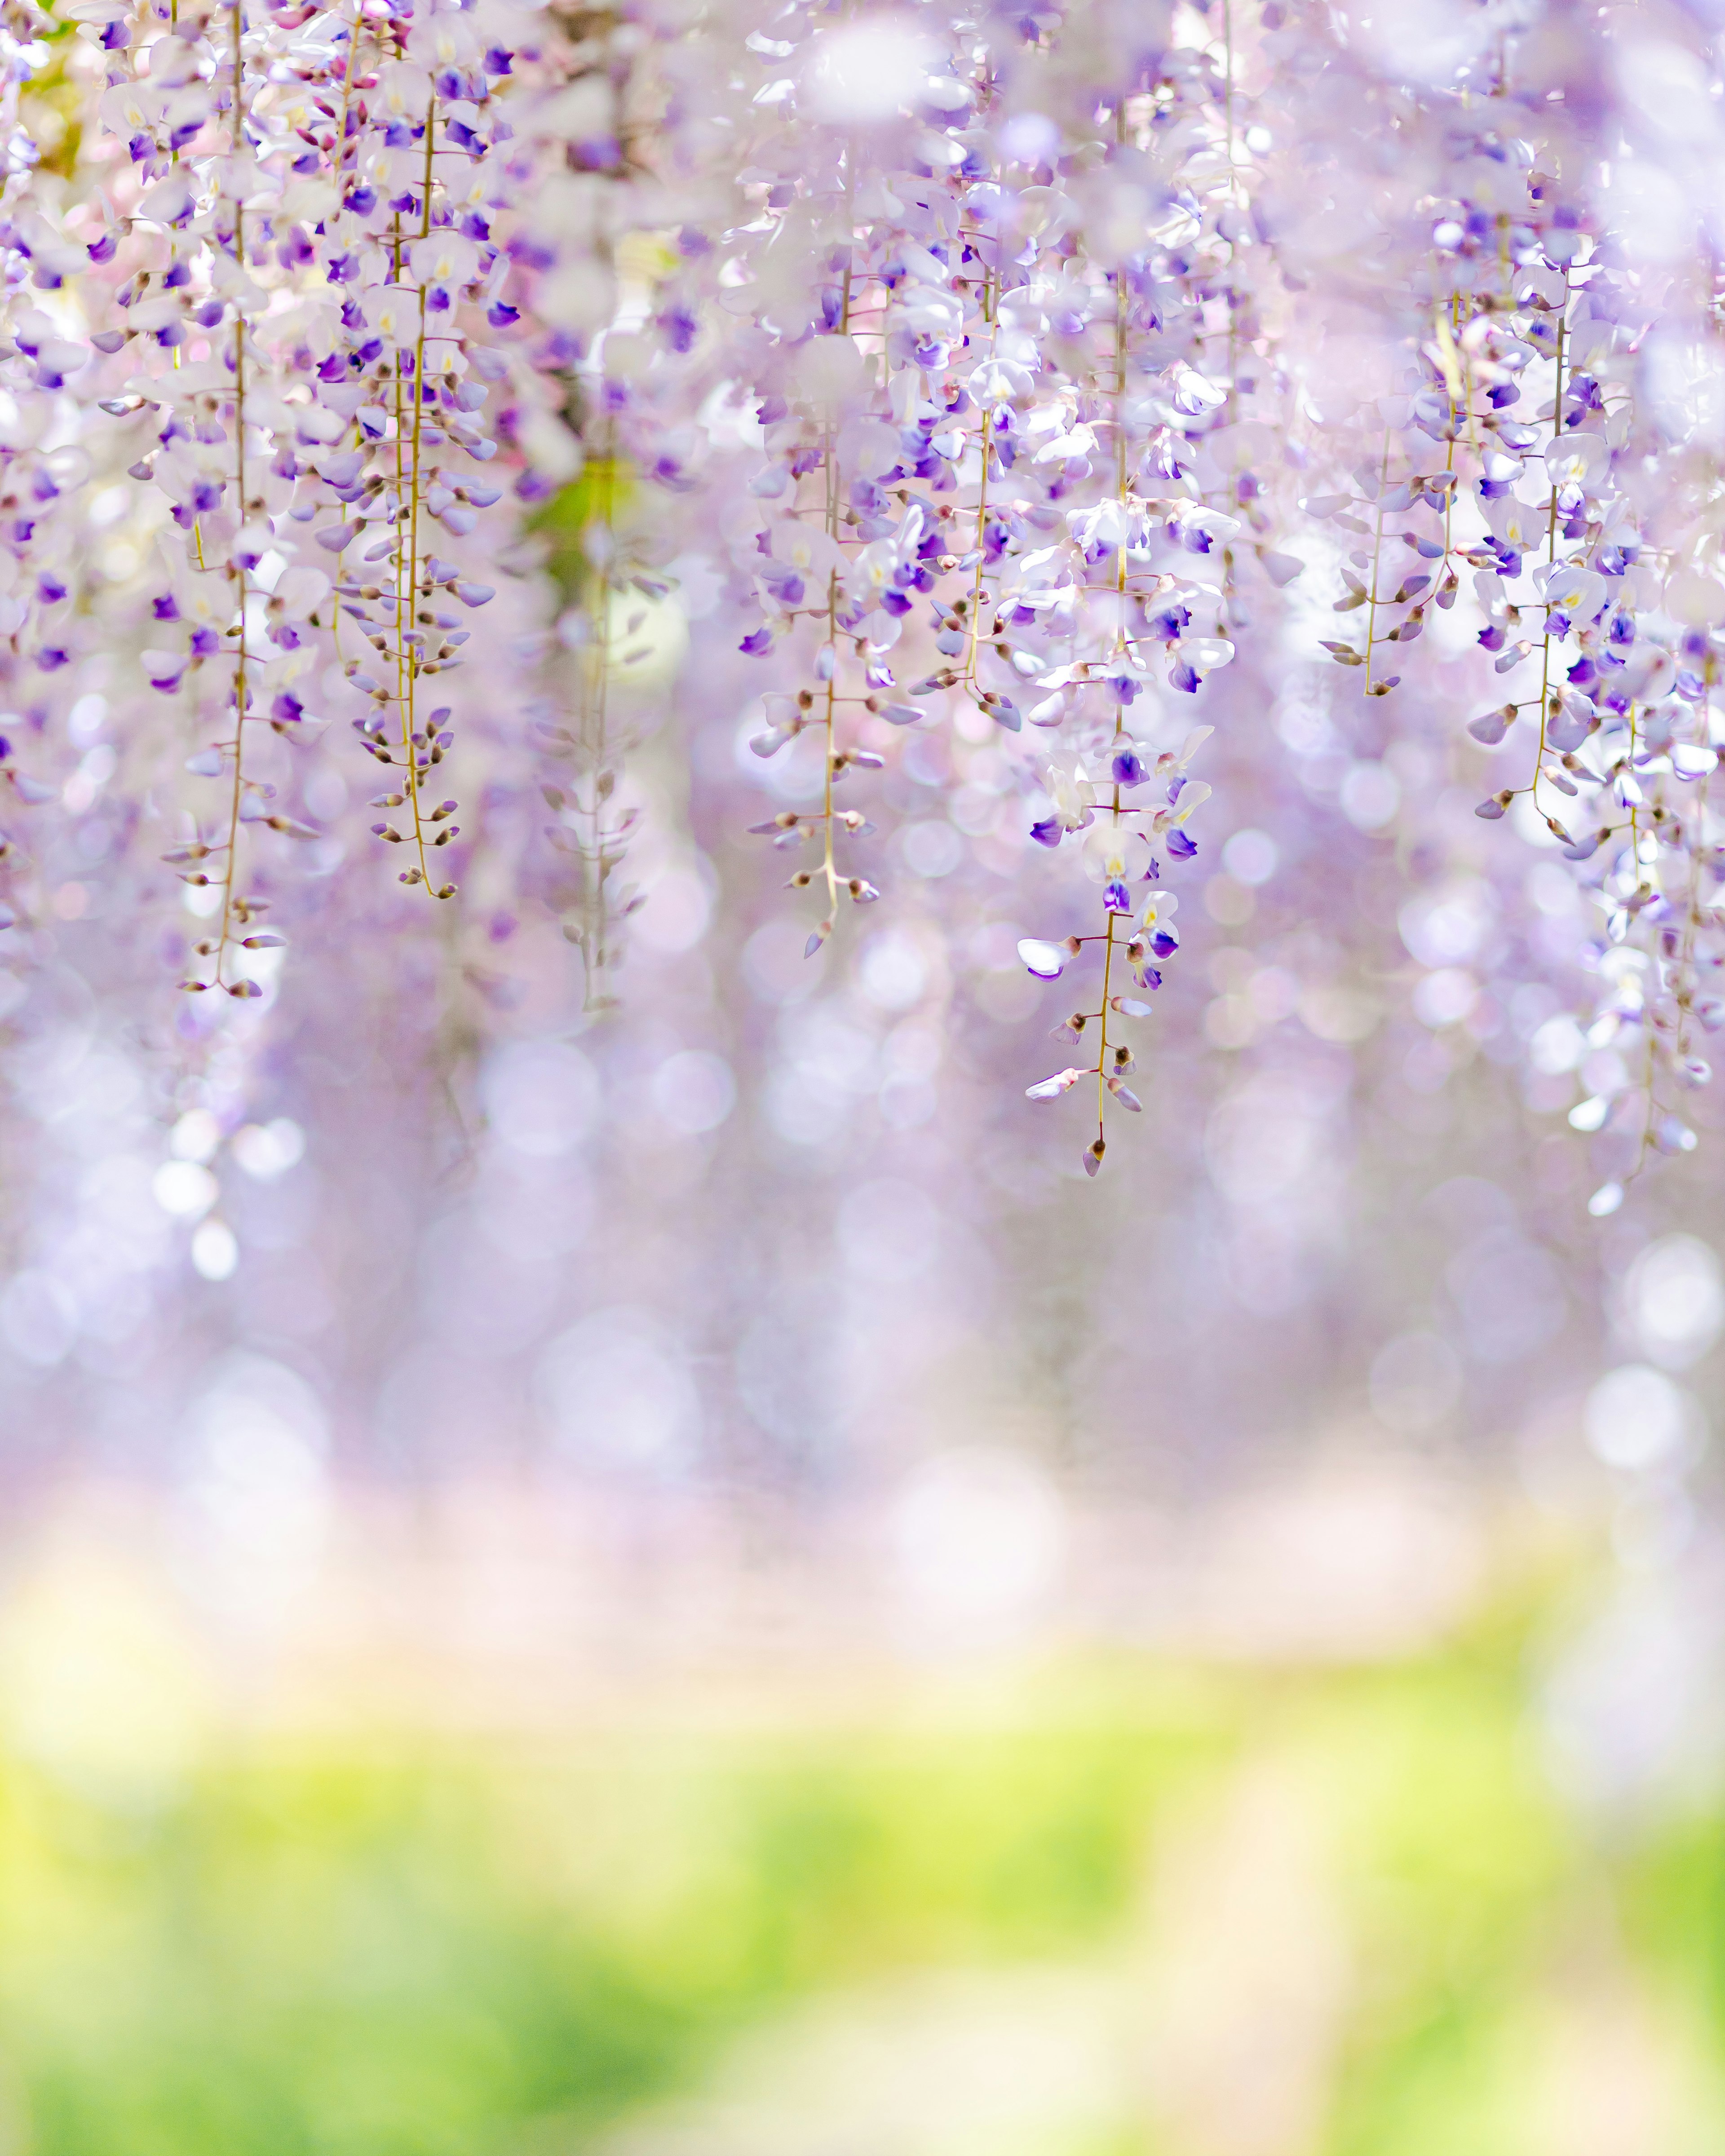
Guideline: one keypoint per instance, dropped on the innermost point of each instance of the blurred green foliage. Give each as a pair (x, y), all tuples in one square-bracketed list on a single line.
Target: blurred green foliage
[(603, 493), (420, 1947)]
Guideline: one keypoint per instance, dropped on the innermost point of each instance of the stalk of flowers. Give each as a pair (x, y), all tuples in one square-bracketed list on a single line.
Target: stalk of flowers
[(1522, 275), (352, 235), (308, 241), (612, 332), (931, 318), (1646, 660), (859, 284), (1423, 340), (1167, 444), (383, 156), (192, 81), (809, 576), (45, 633), (420, 365), (607, 647), (43, 474)]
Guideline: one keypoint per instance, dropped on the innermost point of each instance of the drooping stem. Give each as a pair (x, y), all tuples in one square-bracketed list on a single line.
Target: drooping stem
[(241, 692), (596, 684), (407, 566), (1377, 555)]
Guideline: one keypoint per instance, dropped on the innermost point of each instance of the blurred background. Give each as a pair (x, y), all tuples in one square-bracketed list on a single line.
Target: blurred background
[(656, 1571), (1364, 1813)]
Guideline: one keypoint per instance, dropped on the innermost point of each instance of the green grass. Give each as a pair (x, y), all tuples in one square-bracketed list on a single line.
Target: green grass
[(419, 1949)]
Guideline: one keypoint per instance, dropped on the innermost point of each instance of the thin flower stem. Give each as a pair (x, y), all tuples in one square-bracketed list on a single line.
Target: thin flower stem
[(595, 709), (1377, 555), (408, 569), (827, 865), (1119, 711), (237, 793), (990, 298), (1102, 1042)]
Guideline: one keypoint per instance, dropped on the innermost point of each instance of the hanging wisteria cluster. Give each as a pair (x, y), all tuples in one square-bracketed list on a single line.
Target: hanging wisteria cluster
[(391, 386)]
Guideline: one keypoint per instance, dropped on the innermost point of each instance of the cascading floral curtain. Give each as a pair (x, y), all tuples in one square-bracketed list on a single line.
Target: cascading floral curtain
[(390, 390)]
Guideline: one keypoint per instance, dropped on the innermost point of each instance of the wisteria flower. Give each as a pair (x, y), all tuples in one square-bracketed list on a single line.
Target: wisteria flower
[(1115, 855), (1158, 920)]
